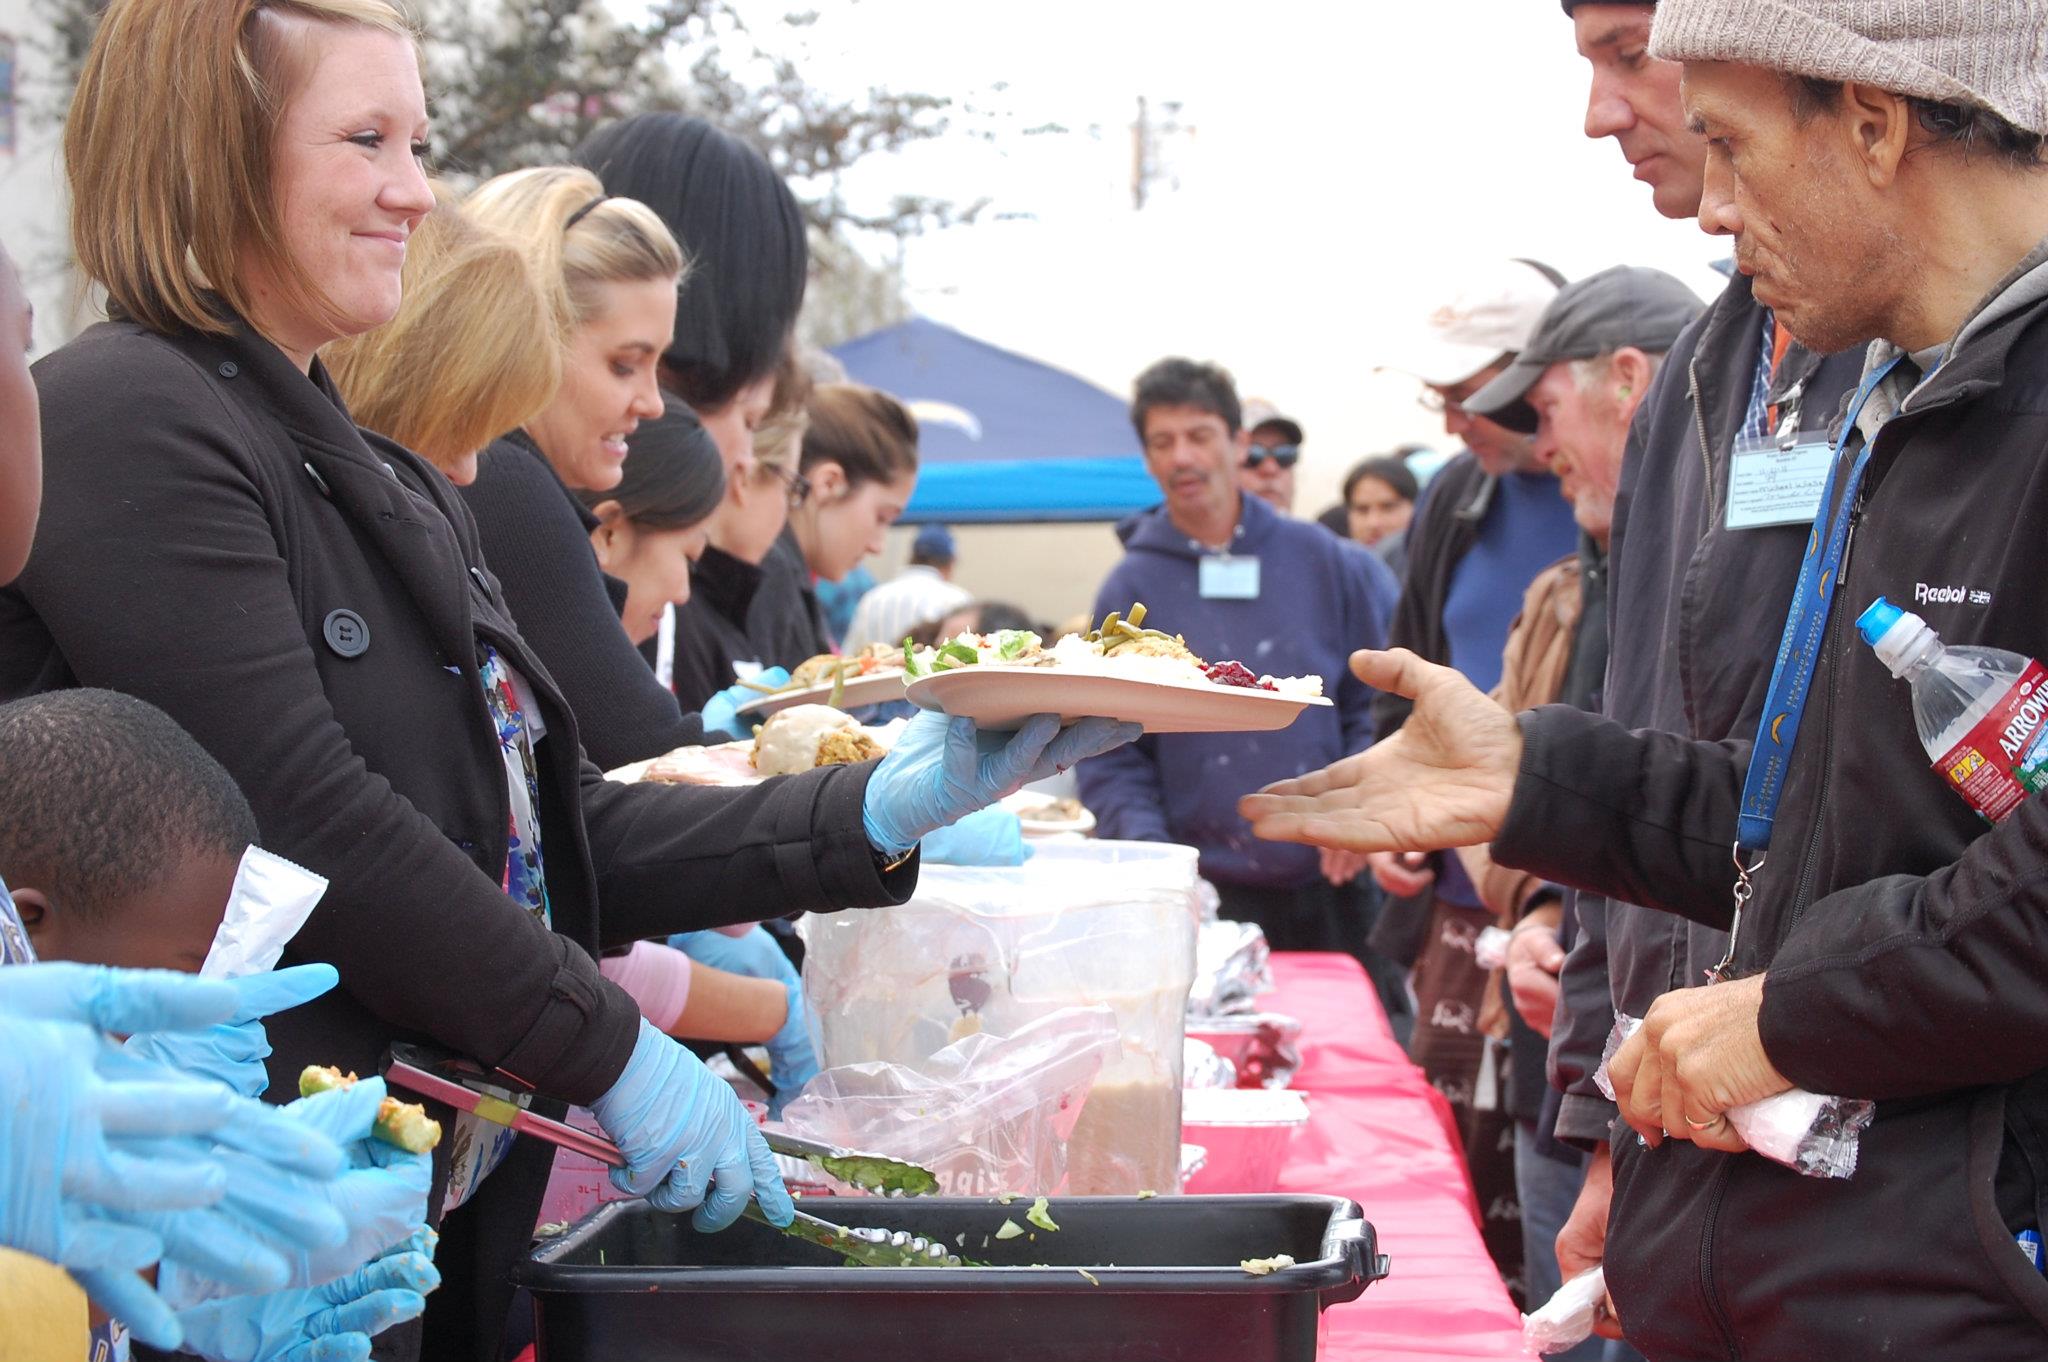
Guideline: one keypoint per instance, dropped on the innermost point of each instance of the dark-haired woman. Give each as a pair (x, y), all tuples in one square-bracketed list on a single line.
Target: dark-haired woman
[(649, 529), (743, 232), (859, 464)]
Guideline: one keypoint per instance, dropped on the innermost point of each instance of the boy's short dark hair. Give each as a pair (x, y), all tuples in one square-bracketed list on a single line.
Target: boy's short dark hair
[(1178, 382), (102, 795)]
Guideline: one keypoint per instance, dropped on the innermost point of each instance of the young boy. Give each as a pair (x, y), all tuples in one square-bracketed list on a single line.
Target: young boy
[(119, 835)]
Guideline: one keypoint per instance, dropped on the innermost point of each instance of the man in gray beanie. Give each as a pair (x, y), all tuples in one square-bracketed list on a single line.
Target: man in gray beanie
[(1880, 166)]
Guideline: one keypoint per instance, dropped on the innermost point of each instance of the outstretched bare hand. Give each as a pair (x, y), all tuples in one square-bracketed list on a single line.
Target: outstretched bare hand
[(1445, 780)]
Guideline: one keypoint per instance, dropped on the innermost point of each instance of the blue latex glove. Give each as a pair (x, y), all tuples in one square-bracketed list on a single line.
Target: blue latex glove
[(721, 712), (232, 1052), (123, 1000), (70, 1182), (332, 1323), (792, 1058), (942, 769), (381, 1197), (682, 1128), (991, 836), (109, 1163)]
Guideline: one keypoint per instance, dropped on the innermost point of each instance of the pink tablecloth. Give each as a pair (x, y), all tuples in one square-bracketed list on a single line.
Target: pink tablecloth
[(1379, 1134)]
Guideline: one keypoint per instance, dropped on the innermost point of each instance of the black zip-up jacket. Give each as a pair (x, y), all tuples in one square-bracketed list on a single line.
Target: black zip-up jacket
[(1904, 944), (1694, 610), (785, 621), (711, 627)]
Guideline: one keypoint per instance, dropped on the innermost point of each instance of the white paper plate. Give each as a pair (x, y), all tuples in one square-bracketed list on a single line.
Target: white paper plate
[(873, 689), (1001, 698)]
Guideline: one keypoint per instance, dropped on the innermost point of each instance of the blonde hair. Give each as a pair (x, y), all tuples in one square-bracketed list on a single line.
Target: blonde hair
[(779, 439), (577, 238), (471, 353), (170, 144)]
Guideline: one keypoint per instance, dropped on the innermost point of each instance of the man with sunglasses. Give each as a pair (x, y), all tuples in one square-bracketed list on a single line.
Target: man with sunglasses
[(1275, 447), (1488, 524)]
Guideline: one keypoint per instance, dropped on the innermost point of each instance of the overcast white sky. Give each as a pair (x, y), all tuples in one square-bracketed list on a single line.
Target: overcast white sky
[(1343, 159)]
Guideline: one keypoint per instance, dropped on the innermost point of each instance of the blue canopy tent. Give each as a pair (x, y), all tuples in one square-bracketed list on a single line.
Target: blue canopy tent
[(1002, 438)]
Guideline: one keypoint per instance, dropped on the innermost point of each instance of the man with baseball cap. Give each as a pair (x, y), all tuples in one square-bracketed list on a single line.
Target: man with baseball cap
[(1883, 168), (1275, 447), (1585, 371), (1491, 521)]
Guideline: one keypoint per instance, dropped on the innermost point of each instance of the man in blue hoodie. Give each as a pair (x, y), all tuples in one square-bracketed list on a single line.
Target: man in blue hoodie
[(1239, 581)]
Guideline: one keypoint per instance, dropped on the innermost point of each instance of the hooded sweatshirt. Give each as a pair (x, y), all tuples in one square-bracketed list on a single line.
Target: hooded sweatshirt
[(1319, 598)]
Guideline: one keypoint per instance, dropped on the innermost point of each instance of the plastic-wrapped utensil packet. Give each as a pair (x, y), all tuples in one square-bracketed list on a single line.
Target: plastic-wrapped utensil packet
[(1567, 1318), (1807, 1132), (271, 900)]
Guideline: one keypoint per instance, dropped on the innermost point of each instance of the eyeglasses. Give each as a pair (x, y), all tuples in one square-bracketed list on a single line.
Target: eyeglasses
[(1284, 455), (1434, 402), (795, 484)]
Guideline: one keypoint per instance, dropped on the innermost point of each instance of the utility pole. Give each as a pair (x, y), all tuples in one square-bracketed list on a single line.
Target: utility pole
[(1147, 137)]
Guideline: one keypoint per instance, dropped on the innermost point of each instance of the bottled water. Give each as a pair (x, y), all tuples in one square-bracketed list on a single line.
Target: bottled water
[(1979, 710)]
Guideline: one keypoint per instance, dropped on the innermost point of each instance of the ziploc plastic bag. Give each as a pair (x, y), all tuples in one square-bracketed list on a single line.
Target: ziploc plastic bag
[(1567, 1318), (271, 900), (988, 1114), (1807, 1132)]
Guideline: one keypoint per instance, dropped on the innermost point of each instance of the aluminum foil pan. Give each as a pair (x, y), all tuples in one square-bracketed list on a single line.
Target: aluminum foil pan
[(1263, 1047)]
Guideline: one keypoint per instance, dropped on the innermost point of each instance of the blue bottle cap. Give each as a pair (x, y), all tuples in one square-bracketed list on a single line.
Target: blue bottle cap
[(1877, 621)]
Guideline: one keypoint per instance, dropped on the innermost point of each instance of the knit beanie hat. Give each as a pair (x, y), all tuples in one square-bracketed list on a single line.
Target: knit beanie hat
[(1987, 54)]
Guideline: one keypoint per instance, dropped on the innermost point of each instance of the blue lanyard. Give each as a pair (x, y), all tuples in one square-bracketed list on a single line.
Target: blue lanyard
[(1799, 648)]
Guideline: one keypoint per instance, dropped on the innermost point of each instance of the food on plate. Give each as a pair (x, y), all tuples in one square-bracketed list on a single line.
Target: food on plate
[(806, 736), (1121, 646), (1051, 811), (1012, 647), (812, 672), (1009, 1229), (727, 763), (404, 1124), (1260, 1267)]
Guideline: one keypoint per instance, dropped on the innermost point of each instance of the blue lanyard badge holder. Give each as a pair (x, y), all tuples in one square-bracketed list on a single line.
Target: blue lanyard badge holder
[(1798, 657)]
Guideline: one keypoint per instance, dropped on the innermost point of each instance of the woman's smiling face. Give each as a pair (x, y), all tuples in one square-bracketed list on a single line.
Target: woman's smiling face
[(609, 383)]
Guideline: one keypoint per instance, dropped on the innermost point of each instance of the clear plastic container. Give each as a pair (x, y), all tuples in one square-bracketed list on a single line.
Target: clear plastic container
[(994, 948), (1980, 711)]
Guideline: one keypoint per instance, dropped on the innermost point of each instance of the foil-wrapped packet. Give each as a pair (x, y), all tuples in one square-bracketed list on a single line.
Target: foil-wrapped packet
[(1233, 966)]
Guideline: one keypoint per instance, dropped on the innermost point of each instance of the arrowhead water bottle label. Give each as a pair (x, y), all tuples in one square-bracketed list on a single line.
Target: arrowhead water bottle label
[(2004, 758)]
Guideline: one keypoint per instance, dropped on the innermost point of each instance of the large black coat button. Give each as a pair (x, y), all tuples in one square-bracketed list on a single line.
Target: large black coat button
[(346, 633)]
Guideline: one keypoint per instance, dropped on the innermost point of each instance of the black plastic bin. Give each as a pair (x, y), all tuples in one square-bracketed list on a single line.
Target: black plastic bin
[(630, 1284)]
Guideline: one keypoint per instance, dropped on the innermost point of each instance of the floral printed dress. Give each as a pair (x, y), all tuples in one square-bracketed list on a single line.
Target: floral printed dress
[(478, 1146)]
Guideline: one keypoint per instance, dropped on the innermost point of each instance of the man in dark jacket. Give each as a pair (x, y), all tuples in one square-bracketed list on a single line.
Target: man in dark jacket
[(1238, 581), (1585, 371), (1880, 186), (1687, 580)]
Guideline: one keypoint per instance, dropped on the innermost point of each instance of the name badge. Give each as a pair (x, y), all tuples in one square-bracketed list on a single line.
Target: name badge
[(1227, 577), (1777, 481)]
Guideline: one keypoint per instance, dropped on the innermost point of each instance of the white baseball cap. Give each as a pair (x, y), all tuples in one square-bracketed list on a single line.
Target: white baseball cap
[(1493, 313)]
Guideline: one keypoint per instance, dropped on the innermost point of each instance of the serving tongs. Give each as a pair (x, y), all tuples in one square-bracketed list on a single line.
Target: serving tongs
[(412, 1068)]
